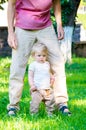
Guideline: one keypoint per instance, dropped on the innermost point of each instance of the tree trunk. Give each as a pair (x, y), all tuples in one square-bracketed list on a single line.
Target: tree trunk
[(65, 44)]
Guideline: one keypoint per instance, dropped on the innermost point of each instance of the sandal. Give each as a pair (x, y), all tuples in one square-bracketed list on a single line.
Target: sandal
[(12, 112), (63, 110)]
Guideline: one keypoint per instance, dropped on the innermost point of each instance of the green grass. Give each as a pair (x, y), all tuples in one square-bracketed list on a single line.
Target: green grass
[(82, 19), (83, 2), (76, 81)]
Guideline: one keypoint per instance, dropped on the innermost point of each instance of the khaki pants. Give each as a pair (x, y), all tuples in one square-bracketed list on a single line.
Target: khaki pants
[(42, 95), (26, 40)]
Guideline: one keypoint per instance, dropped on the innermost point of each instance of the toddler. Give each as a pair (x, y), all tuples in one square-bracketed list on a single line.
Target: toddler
[(41, 79)]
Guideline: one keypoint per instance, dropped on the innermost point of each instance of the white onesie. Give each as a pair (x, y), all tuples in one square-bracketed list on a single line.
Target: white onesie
[(41, 74)]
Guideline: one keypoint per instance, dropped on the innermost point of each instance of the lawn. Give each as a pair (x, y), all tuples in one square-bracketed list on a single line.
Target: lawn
[(82, 19), (76, 81)]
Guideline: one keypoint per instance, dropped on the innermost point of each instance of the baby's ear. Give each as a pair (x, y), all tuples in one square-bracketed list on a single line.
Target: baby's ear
[(33, 55)]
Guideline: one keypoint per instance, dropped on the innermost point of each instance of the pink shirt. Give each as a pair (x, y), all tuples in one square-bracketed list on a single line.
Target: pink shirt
[(33, 14)]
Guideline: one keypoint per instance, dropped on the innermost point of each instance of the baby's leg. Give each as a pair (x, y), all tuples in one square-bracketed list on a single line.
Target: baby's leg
[(50, 103), (35, 102)]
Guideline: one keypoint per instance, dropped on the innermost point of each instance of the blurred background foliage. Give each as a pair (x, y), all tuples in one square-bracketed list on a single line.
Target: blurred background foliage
[(1, 2), (69, 12)]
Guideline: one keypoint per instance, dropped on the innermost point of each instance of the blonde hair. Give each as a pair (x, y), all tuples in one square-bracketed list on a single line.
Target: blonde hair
[(39, 47)]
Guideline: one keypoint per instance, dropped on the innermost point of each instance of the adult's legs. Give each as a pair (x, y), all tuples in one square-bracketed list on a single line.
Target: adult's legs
[(20, 57), (49, 38)]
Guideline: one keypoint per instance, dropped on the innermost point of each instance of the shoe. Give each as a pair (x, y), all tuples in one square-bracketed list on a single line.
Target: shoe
[(12, 112), (64, 110)]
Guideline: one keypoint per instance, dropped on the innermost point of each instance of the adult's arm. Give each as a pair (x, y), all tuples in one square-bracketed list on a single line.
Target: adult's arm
[(57, 13), (10, 17)]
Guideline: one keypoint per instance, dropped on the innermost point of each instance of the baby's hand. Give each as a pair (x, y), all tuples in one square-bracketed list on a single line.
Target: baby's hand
[(33, 88), (52, 80)]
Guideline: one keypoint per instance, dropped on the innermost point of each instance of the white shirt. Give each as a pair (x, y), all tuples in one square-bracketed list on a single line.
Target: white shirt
[(41, 74)]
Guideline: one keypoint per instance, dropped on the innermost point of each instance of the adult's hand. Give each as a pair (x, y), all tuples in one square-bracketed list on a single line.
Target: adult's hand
[(60, 32), (12, 40)]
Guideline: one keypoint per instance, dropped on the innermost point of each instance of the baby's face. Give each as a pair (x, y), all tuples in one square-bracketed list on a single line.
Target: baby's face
[(40, 57)]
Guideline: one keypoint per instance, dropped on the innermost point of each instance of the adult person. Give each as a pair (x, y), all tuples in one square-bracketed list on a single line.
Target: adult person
[(32, 22)]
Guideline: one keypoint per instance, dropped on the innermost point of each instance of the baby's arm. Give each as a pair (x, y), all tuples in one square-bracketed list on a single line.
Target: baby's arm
[(31, 81), (52, 79), (52, 76)]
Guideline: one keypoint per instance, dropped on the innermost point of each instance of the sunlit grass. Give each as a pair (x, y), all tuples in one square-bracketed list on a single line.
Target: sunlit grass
[(81, 102), (82, 19), (76, 84)]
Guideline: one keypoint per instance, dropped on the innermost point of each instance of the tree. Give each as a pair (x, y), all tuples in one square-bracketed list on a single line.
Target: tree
[(69, 11), (69, 14), (1, 2)]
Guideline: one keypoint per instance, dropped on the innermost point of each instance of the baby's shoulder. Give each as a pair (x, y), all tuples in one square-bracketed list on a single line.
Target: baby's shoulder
[(32, 63), (47, 63)]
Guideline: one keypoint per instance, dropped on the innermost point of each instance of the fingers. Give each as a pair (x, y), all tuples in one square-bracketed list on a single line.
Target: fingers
[(12, 41), (33, 89), (60, 35), (12, 44)]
